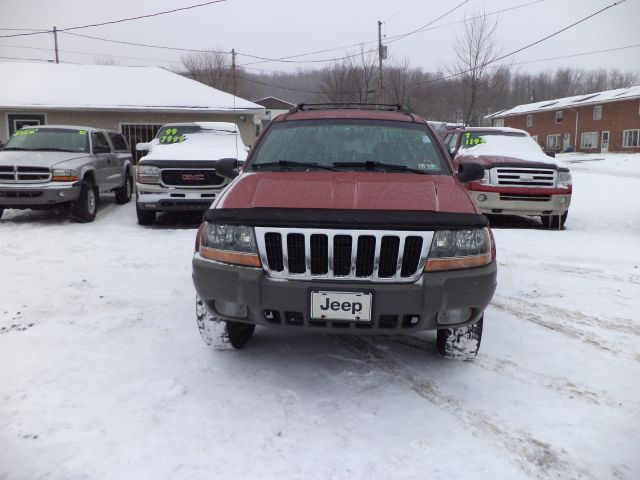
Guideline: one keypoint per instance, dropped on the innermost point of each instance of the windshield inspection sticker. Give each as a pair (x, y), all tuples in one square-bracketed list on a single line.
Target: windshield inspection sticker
[(428, 166), (425, 139)]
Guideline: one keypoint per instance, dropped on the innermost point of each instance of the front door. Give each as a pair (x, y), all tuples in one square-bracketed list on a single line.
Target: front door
[(604, 143), (566, 138)]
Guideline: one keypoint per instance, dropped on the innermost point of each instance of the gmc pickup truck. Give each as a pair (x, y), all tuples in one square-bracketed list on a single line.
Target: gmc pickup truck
[(60, 166), (346, 220), (179, 171), (519, 179)]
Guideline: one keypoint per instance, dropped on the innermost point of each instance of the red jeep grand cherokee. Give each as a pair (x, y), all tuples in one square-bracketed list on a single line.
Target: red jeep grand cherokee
[(346, 220)]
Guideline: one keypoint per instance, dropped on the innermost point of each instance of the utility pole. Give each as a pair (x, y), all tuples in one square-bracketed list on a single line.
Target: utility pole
[(382, 54), (55, 42), (233, 69)]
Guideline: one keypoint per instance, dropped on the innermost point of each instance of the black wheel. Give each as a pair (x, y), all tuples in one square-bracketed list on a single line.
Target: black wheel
[(86, 206), (123, 193), (554, 222), (460, 343), (145, 217), (239, 333)]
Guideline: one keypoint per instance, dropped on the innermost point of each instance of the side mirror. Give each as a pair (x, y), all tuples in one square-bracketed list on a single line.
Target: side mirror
[(550, 153), (143, 146), (470, 172), (227, 167)]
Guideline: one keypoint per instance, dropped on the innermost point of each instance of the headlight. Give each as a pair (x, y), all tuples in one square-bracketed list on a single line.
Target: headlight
[(64, 175), (564, 179), (455, 249), (234, 244), (148, 174)]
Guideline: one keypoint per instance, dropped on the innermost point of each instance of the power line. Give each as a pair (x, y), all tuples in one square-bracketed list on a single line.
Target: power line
[(111, 22), (400, 11), (30, 59), (526, 46), (593, 52), (162, 47)]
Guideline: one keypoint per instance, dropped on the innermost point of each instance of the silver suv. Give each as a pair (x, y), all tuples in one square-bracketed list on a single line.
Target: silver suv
[(56, 166)]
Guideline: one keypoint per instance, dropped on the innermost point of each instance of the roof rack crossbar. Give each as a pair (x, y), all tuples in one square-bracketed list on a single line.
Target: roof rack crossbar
[(391, 107)]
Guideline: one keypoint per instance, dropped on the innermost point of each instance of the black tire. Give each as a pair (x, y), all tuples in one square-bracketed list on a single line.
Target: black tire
[(145, 217), (123, 193), (460, 343), (1, 212), (86, 206), (554, 222), (239, 333)]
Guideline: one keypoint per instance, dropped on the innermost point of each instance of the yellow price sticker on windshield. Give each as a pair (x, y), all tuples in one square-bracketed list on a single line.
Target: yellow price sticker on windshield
[(82, 132), (171, 136), (19, 133)]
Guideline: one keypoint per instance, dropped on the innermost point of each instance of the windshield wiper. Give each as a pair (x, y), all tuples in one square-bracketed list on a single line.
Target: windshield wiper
[(289, 163), (50, 149), (370, 165), (15, 148)]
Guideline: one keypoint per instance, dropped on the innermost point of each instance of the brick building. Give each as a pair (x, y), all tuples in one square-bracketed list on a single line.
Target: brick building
[(601, 122)]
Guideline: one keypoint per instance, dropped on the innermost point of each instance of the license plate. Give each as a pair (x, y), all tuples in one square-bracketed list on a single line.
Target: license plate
[(354, 306)]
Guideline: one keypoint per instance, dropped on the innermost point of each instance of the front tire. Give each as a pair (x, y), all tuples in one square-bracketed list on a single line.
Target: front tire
[(460, 343), (1, 212), (145, 217), (554, 222), (86, 206), (123, 193), (220, 334)]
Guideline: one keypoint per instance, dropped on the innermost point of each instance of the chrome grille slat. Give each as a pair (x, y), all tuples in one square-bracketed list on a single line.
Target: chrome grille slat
[(529, 177), (273, 248), (25, 174)]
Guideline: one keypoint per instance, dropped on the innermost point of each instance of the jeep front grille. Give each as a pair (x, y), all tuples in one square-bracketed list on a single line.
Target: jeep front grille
[(523, 177), (193, 177), (362, 255), (24, 174)]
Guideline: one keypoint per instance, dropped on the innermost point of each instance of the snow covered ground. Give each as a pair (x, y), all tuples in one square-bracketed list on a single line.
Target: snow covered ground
[(103, 374)]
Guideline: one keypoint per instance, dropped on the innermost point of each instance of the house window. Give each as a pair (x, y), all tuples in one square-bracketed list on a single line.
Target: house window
[(631, 138), (529, 120), (498, 122), (597, 112), (553, 142), (18, 120), (589, 140), (559, 116)]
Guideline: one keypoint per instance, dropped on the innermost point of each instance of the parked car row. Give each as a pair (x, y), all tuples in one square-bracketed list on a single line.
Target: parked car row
[(339, 219)]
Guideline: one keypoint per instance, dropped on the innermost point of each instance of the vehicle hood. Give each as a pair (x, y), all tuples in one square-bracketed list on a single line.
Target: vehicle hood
[(511, 159), (42, 159), (348, 190)]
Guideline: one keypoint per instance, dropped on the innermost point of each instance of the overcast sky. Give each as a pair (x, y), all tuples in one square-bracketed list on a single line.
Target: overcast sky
[(281, 28)]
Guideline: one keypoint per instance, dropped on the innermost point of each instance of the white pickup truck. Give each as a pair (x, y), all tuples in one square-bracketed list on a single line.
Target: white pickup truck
[(179, 171)]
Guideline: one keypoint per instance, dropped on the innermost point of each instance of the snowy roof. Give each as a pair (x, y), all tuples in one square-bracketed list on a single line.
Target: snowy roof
[(113, 88), (575, 101), (274, 103)]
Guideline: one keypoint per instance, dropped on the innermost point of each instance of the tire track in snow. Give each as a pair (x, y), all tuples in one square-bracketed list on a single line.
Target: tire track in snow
[(560, 326), (537, 458), (515, 371), (589, 273)]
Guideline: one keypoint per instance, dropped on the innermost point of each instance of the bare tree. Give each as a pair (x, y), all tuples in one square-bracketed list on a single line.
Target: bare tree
[(352, 80), (210, 68), (106, 60), (475, 49)]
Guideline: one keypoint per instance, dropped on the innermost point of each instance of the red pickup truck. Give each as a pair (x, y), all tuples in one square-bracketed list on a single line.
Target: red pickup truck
[(519, 179), (346, 220)]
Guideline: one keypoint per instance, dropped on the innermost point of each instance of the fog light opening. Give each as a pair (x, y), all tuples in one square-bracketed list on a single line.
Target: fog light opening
[(482, 197), (231, 309), (455, 315)]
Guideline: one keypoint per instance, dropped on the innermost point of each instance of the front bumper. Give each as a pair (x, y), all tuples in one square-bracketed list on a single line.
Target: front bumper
[(286, 303), (495, 204), (161, 199), (38, 195)]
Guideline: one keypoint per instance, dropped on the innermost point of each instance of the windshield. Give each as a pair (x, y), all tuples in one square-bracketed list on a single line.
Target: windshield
[(351, 145), (52, 139), (471, 139)]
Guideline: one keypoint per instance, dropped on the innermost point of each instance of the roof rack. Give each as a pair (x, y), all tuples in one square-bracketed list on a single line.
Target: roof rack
[(388, 107)]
